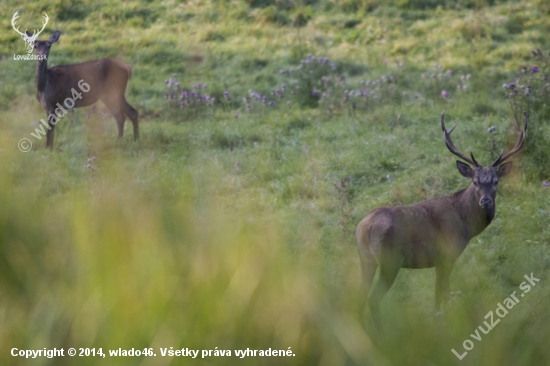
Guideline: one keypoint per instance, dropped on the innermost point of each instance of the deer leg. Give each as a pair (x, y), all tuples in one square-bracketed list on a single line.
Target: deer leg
[(132, 113), (442, 274), (120, 119), (50, 133), (368, 270), (116, 107), (388, 273)]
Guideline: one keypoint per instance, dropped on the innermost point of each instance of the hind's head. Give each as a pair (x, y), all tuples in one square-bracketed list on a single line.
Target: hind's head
[(42, 48)]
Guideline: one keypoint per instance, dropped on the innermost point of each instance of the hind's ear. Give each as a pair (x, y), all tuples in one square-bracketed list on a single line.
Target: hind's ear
[(28, 33), (54, 37)]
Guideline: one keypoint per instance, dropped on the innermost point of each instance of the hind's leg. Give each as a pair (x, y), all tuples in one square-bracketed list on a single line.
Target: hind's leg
[(116, 109), (120, 119), (50, 133), (132, 113)]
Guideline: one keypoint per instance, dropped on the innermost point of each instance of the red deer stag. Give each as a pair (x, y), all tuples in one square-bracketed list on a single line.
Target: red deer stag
[(106, 79), (431, 233)]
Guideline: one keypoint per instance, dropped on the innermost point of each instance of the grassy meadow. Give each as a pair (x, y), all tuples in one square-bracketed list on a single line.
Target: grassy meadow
[(269, 129)]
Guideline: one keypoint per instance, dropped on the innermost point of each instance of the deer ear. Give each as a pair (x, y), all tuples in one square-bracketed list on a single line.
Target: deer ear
[(54, 37), (504, 169), (28, 33), (464, 169)]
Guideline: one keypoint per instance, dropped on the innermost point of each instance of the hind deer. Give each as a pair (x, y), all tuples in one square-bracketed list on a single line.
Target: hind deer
[(431, 233), (106, 79)]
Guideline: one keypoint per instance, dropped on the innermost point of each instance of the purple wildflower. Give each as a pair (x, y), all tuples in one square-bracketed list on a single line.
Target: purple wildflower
[(226, 94), (236, 115), (314, 92), (545, 184), (535, 69), (444, 94)]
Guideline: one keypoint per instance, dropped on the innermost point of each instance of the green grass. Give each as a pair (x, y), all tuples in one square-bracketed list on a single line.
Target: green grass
[(216, 231)]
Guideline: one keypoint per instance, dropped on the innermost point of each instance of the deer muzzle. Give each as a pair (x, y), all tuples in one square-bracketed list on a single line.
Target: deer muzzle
[(485, 202)]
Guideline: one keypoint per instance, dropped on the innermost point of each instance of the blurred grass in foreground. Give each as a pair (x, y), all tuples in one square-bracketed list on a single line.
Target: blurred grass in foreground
[(126, 261)]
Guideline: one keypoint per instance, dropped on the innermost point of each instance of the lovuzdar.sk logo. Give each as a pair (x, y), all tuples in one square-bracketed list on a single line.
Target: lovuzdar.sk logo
[(28, 37)]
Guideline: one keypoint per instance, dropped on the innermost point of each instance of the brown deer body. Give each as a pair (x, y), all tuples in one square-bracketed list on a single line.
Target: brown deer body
[(431, 233), (107, 80)]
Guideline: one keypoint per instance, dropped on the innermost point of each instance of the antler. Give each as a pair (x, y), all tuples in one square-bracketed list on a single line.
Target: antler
[(13, 19), (521, 138), (451, 146), (43, 24)]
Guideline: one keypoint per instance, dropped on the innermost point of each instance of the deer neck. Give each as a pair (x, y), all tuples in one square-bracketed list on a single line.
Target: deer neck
[(41, 76), (477, 218)]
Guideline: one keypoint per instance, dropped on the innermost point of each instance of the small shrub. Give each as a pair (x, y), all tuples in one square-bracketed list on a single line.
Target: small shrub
[(188, 103), (529, 93), (307, 79)]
